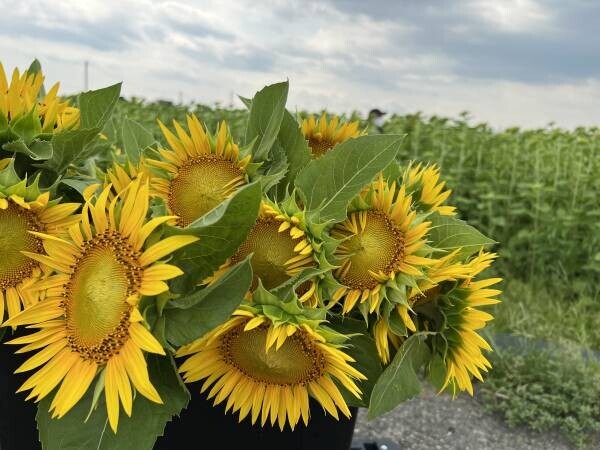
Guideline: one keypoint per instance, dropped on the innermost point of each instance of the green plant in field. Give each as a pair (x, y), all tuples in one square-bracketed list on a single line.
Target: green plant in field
[(532, 310), (553, 389), (535, 191)]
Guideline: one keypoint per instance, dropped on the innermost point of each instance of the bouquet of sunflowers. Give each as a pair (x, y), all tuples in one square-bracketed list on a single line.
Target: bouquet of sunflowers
[(308, 261)]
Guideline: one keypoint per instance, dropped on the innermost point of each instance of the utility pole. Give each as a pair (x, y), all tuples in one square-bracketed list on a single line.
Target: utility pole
[(85, 75)]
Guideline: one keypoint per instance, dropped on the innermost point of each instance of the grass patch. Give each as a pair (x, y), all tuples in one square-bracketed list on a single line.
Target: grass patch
[(547, 390), (551, 314)]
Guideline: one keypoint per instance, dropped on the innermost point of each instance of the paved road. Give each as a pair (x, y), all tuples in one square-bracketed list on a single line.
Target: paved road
[(432, 422)]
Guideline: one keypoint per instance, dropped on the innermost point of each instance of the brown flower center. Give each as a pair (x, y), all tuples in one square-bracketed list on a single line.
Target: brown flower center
[(377, 246), (319, 147), (201, 184), (105, 274), (298, 360), (271, 249), (15, 224)]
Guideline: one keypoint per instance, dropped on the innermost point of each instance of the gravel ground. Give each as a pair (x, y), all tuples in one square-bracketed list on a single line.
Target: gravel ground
[(432, 422)]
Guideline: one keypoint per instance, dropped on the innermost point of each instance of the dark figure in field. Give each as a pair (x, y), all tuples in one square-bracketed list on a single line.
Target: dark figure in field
[(376, 119)]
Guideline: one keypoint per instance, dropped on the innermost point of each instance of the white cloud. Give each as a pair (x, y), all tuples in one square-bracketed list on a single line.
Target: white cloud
[(334, 58), (512, 15)]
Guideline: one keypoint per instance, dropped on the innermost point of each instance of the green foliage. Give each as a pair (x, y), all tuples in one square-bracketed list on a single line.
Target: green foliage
[(266, 113), (535, 309), (194, 315), (547, 390), (139, 432), (328, 184), (449, 234), (221, 232), (399, 381), (75, 146), (535, 191), (136, 138), (96, 106), (297, 153)]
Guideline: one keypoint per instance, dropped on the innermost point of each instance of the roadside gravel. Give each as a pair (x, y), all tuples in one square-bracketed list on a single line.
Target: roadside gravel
[(432, 422)]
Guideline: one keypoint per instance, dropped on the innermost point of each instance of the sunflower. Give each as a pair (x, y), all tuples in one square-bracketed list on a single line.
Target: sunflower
[(431, 195), (384, 336), (444, 269), (269, 368), (199, 170), (381, 248), (392, 327), (441, 276), (120, 176), (22, 96), (281, 248), (24, 209), (464, 357), (323, 134), (89, 321)]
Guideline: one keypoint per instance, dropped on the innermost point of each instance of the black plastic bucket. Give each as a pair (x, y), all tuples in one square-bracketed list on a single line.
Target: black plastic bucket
[(201, 426)]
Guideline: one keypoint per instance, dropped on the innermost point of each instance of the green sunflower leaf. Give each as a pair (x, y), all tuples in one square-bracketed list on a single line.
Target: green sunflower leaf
[(97, 106), (27, 126), (8, 175), (221, 232), (35, 67), (448, 233), (69, 147), (246, 101), (135, 139), (328, 184), (79, 184), (266, 113), (36, 150), (192, 316), (436, 372), (139, 432), (399, 381), (296, 149)]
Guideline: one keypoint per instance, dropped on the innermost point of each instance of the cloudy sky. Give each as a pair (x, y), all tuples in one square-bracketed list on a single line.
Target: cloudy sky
[(508, 62)]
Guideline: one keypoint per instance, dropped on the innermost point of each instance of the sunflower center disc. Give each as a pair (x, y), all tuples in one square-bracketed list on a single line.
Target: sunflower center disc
[(15, 222), (95, 297), (377, 247), (319, 147), (296, 362), (200, 185), (271, 251)]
